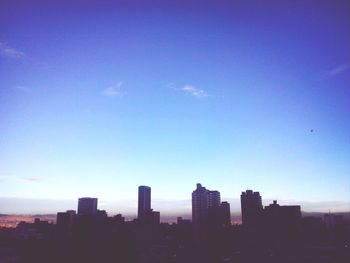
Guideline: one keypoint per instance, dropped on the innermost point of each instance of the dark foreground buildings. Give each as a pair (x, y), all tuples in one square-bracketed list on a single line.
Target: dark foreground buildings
[(274, 223), (274, 233)]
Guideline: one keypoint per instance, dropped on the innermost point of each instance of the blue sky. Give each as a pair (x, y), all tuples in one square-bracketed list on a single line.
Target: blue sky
[(98, 98)]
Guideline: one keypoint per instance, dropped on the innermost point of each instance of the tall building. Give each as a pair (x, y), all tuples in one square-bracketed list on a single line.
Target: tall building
[(87, 206), (214, 199), (204, 200), (150, 218), (200, 204), (225, 214), (208, 213), (144, 202), (251, 208), (146, 215)]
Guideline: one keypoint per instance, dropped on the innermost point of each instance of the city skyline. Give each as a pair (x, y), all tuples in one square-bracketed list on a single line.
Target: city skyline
[(205, 205), (99, 98), (208, 200), (273, 233)]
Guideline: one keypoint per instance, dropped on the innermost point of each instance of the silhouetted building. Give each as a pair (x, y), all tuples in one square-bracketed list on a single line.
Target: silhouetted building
[(214, 199), (283, 213), (101, 214), (146, 215), (182, 221), (87, 206), (151, 217), (225, 214), (251, 207), (209, 215), (65, 219), (282, 222), (200, 205), (144, 201)]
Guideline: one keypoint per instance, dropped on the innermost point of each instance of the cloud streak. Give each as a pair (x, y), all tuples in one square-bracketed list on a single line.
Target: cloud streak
[(194, 91), (22, 88), (338, 69), (32, 179), (10, 52), (114, 91)]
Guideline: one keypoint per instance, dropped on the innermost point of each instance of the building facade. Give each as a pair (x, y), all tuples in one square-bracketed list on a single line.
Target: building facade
[(209, 215), (282, 223), (144, 201), (251, 208), (200, 204), (87, 206)]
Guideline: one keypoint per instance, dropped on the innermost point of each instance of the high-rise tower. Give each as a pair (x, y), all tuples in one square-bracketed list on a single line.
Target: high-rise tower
[(144, 203), (200, 204), (208, 213)]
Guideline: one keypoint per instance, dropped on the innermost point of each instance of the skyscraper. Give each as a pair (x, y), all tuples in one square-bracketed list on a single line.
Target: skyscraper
[(208, 213), (200, 204), (144, 202), (87, 206), (251, 206)]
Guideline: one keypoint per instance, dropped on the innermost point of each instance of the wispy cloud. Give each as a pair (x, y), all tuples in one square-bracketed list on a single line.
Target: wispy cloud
[(194, 91), (10, 52), (337, 70), (114, 91), (33, 179), (22, 88), (12, 178)]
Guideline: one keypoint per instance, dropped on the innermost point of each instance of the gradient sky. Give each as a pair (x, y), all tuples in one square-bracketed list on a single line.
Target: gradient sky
[(99, 97)]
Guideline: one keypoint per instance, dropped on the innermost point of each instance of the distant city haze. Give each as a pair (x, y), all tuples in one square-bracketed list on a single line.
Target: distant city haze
[(98, 98)]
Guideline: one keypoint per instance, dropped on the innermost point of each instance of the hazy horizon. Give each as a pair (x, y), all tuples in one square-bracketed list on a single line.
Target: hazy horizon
[(169, 207)]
